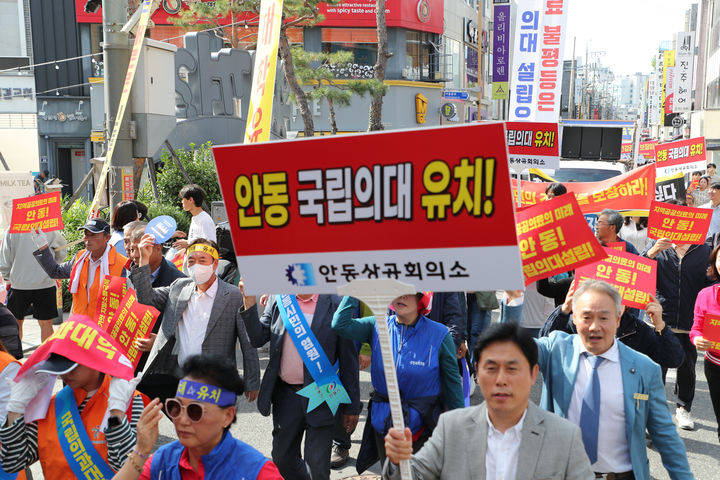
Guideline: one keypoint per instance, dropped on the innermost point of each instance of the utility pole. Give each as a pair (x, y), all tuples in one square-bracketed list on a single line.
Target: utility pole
[(116, 56), (571, 93)]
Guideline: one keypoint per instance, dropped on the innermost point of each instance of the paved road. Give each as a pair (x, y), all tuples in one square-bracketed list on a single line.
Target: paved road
[(702, 443)]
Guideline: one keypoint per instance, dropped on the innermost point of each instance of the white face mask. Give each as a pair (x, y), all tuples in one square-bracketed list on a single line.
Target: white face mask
[(201, 273)]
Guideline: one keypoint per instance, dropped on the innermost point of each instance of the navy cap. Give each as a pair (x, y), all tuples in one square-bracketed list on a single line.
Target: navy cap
[(96, 225)]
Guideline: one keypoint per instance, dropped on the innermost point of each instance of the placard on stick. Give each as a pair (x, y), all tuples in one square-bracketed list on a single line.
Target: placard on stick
[(678, 223), (37, 212), (711, 331), (634, 276), (111, 292), (555, 238)]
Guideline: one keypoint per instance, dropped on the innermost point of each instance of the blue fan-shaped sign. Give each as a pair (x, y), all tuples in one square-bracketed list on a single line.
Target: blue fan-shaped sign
[(162, 227)]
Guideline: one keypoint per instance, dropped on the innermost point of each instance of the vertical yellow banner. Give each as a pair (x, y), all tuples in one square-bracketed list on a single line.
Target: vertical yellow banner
[(257, 128), (125, 96)]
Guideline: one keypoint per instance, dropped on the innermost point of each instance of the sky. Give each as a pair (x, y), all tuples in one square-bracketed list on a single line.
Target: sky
[(628, 31)]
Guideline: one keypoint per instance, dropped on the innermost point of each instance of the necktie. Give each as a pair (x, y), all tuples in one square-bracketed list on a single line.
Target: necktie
[(590, 413)]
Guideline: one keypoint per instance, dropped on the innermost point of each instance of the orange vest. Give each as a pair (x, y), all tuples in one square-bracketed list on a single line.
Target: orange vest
[(5, 360), (84, 304), (52, 459)]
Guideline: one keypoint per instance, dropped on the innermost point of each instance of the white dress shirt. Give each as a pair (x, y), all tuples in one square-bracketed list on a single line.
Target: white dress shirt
[(501, 456), (194, 322), (613, 446)]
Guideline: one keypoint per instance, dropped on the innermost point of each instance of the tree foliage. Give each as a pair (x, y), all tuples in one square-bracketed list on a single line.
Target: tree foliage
[(317, 69)]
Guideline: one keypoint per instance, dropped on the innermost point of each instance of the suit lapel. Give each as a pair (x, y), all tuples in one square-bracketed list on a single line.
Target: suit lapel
[(477, 444), (630, 380), (323, 304), (219, 304), (533, 433), (571, 370)]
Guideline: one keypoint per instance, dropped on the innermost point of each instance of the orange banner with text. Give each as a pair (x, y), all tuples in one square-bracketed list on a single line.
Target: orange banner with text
[(678, 224), (631, 191), (554, 237), (112, 290), (37, 212), (634, 276), (131, 321)]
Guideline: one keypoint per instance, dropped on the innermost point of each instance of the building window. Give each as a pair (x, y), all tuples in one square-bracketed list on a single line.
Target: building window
[(362, 42), (471, 66), (424, 59), (12, 29)]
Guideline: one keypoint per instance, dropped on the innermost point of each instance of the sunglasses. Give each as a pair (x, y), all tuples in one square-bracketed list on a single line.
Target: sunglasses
[(193, 410)]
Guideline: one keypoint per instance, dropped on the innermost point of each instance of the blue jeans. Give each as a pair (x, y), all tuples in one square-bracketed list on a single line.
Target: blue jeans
[(478, 320)]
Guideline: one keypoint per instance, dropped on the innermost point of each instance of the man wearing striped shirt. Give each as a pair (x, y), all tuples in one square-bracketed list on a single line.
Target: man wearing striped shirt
[(95, 395)]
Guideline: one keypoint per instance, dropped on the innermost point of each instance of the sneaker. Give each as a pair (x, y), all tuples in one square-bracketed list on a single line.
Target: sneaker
[(339, 457), (684, 419)]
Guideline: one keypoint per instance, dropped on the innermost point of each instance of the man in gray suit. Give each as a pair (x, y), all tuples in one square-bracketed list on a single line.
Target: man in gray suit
[(507, 436), (201, 314)]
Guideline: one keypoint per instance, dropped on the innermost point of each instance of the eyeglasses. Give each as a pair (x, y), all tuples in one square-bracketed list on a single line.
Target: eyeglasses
[(193, 410)]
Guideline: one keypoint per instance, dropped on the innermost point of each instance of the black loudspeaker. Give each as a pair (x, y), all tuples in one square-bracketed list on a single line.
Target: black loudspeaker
[(611, 141), (571, 142), (591, 143)]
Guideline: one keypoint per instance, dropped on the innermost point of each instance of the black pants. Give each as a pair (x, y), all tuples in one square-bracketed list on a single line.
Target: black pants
[(712, 375), (685, 373), (289, 425), (342, 437)]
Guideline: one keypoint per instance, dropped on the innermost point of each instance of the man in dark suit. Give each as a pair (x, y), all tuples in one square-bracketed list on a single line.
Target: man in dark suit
[(162, 274), (286, 374)]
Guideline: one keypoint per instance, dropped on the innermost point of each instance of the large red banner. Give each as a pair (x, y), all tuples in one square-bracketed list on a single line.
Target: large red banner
[(634, 276), (131, 321), (554, 237), (679, 224), (112, 290), (711, 331), (414, 205), (37, 212), (631, 191), (81, 340), (533, 144)]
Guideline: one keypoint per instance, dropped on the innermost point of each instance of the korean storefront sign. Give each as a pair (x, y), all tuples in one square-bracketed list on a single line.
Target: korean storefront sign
[(318, 213)]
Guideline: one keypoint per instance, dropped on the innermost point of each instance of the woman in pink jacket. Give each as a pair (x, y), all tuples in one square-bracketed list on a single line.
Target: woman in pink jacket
[(707, 308)]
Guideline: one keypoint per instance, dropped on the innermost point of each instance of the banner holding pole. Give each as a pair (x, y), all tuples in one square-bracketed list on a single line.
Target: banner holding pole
[(257, 128), (124, 98)]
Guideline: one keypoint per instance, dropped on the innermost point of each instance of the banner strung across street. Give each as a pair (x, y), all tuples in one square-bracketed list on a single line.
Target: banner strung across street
[(633, 276), (532, 144), (259, 114), (429, 207), (672, 187), (630, 191), (679, 224), (131, 321), (37, 212), (555, 238), (680, 156)]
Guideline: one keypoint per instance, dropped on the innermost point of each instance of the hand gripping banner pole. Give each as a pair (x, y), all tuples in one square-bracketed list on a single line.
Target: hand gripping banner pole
[(377, 294)]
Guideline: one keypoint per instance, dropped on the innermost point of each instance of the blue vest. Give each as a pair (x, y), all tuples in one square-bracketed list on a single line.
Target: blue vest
[(416, 352), (230, 459)]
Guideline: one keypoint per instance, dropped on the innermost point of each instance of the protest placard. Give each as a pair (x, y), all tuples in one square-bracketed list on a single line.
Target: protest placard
[(634, 276), (111, 291), (646, 152), (670, 187), (131, 321), (429, 207), (533, 144), (81, 340), (711, 332), (678, 224), (616, 246), (631, 191), (680, 156), (37, 212), (555, 238)]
